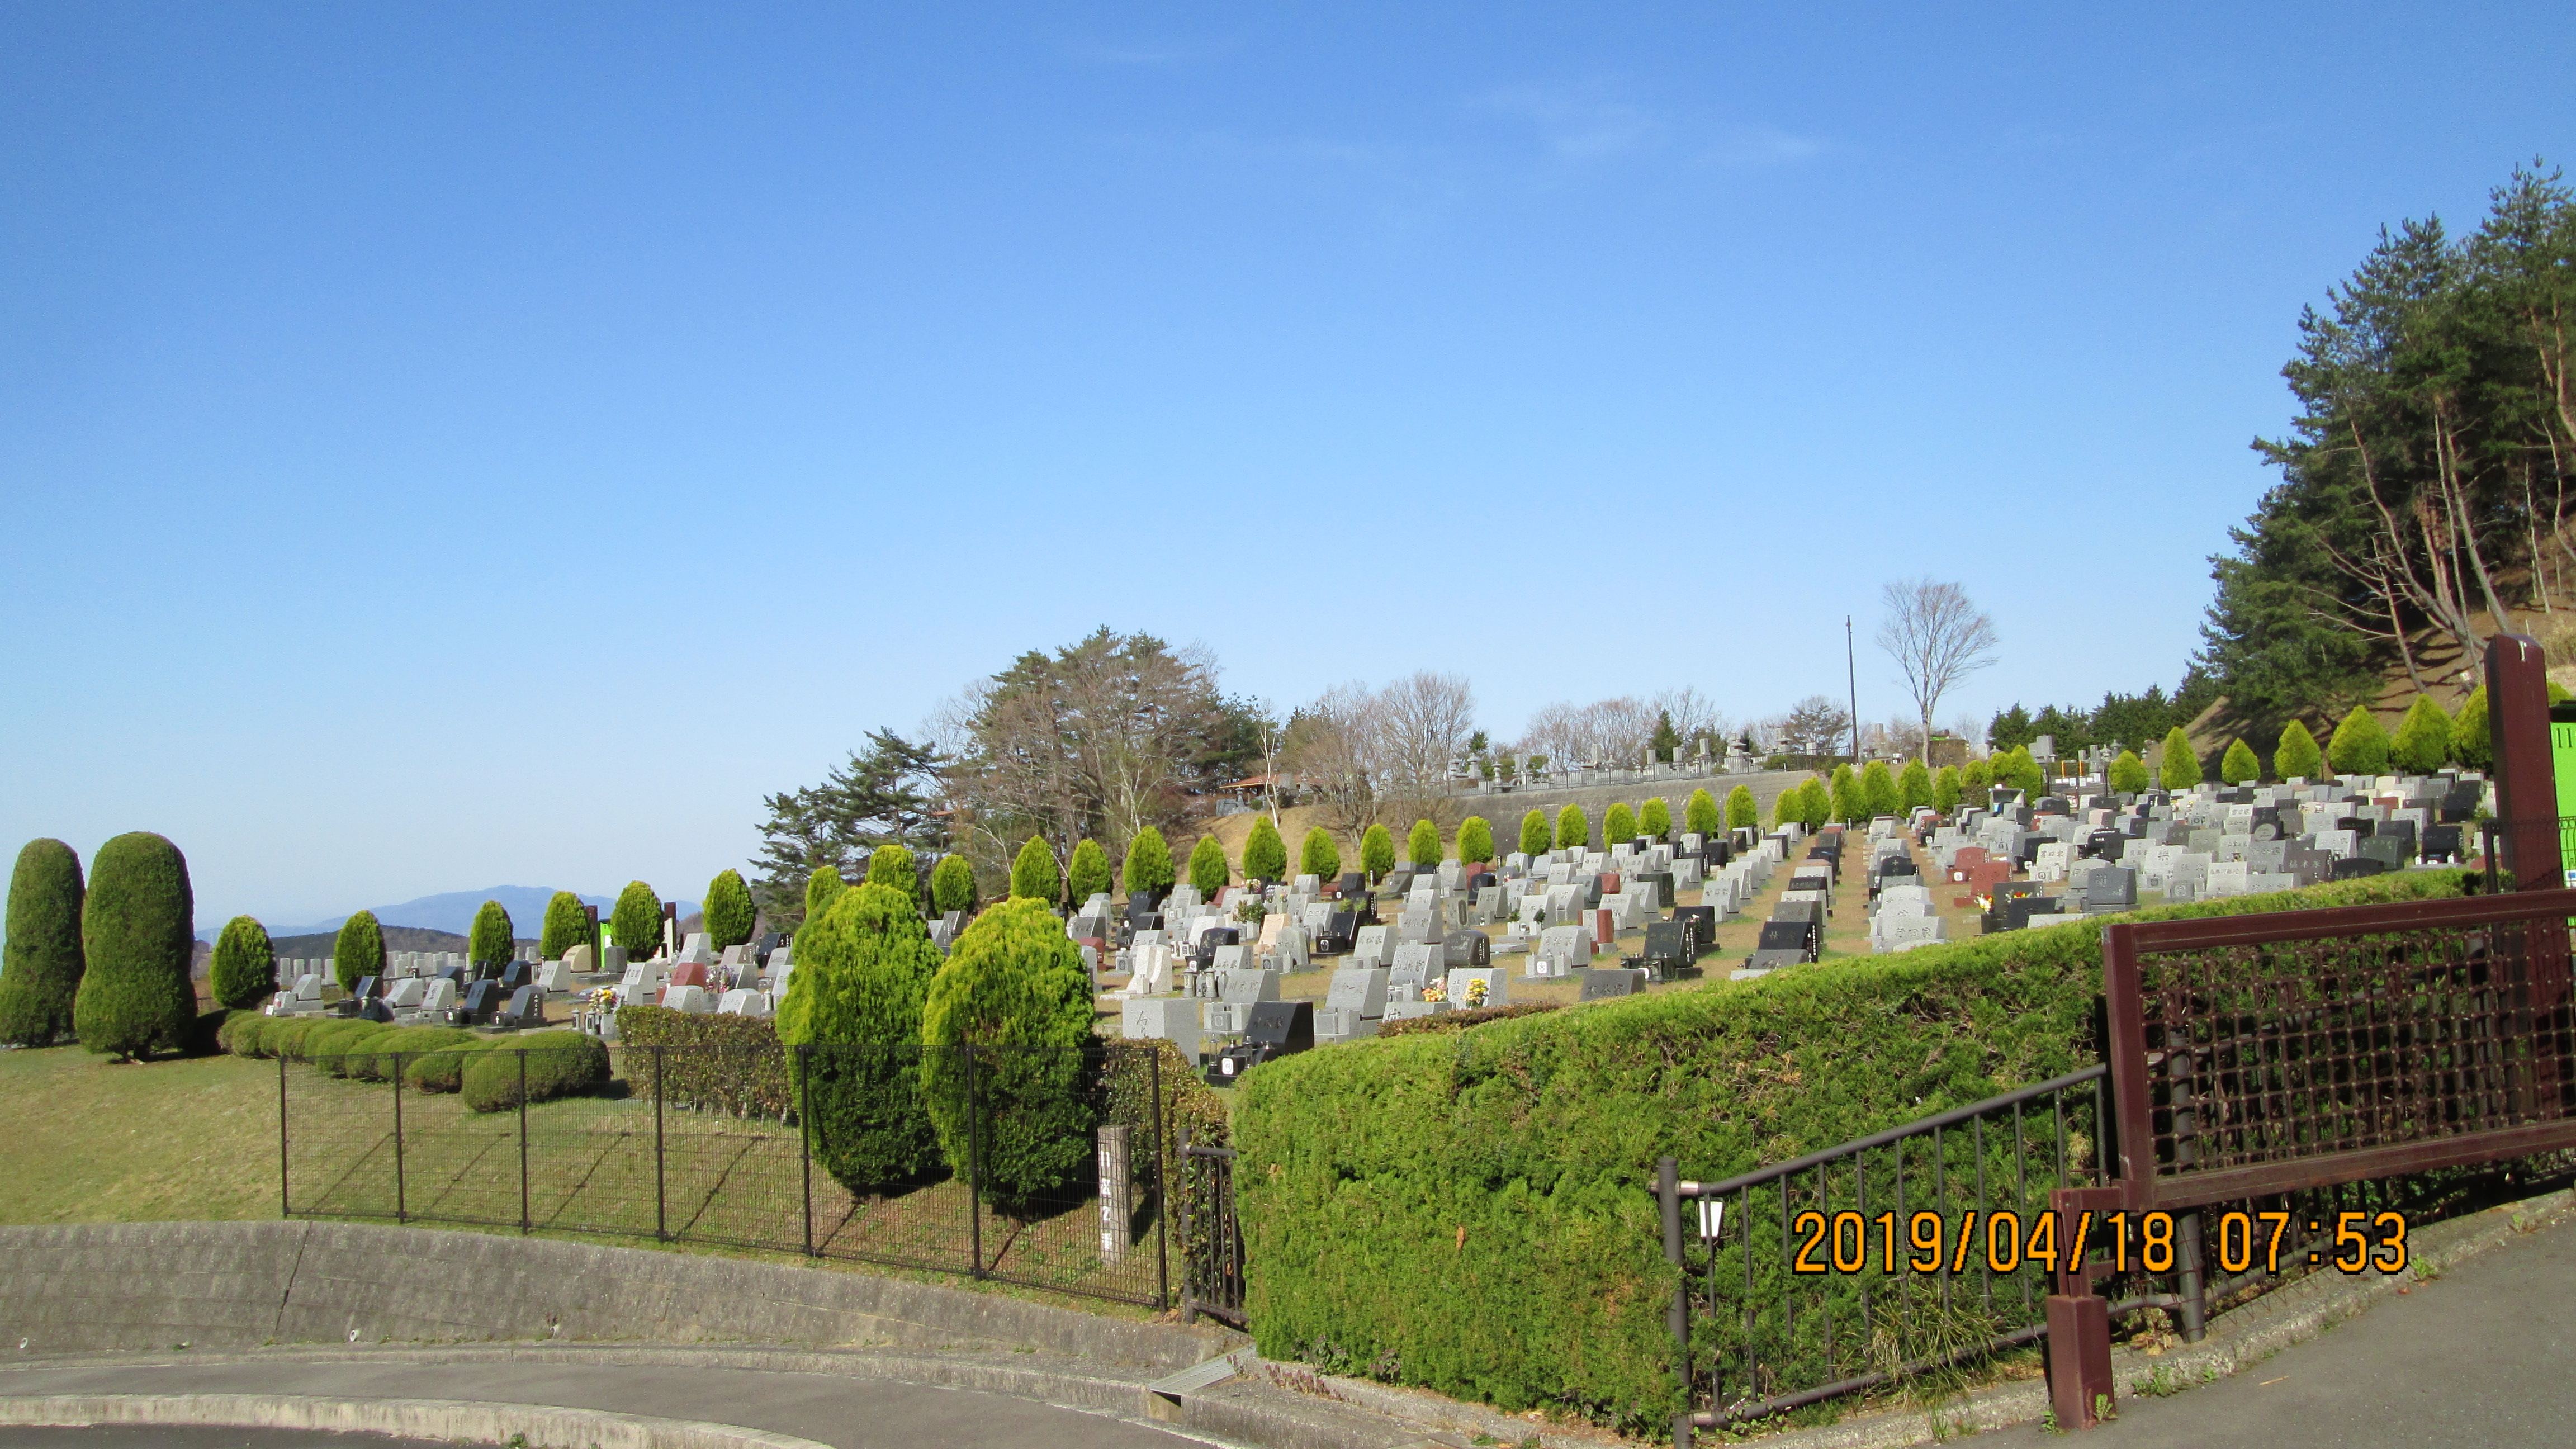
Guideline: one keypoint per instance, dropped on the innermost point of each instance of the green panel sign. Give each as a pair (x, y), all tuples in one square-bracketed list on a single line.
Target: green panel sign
[(2562, 760)]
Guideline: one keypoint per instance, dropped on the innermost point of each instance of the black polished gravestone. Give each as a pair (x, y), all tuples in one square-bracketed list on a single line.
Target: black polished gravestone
[(1703, 921), (2113, 887), (2460, 802), (525, 1008), (1811, 913), (2357, 866), (1670, 946), (2391, 851), (1602, 983), (1341, 932), (1661, 883), (2106, 845), (772, 940), (1467, 948), (1798, 936), (1204, 954), (2442, 842), (482, 1000), (515, 975), (1271, 1030), (1355, 884)]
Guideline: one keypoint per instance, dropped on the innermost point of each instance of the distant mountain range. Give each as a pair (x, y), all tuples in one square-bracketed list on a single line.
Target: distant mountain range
[(453, 913)]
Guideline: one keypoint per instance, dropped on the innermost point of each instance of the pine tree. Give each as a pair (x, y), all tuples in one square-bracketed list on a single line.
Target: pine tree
[(1208, 869), (1377, 852), (138, 938), (40, 960), (820, 888), (2469, 744), (1945, 789), (1317, 856), (2423, 742), (2360, 744), (2180, 768), (1147, 870), (952, 884), (1015, 991), (2298, 755), (358, 952), (1536, 838), (1034, 876), (1618, 824), (1741, 812), (635, 922), (730, 914), (2129, 774), (1088, 874), (1573, 831), (1265, 855), (1422, 845), (1913, 788), (852, 1026), (892, 866), (1655, 820), (492, 937), (243, 971), (567, 926), (1666, 743), (2238, 765), (1878, 789), (1475, 840), (1700, 815)]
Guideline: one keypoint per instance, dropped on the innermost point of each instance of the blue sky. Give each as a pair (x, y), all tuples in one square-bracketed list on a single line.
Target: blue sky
[(461, 443)]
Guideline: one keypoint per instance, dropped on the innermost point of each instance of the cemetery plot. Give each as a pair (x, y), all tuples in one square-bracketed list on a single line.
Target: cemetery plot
[(698, 1145)]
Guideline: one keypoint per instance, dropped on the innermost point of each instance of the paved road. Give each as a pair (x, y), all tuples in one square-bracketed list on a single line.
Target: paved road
[(846, 1412), (2479, 1356)]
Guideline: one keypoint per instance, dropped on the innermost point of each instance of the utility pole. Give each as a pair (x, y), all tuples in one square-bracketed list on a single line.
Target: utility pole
[(1851, 674)]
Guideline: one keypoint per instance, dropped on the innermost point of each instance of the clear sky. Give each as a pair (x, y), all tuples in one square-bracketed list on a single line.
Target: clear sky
[(446, 445)]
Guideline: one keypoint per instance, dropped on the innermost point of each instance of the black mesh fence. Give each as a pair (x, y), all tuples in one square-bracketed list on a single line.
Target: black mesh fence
[(1006, 1163)]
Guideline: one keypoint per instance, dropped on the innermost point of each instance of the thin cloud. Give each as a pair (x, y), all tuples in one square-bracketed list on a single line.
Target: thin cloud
[(1575, 124)]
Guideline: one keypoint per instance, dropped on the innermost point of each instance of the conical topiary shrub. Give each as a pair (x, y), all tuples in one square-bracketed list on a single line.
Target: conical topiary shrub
[(1377, 852), (1700, 815), (636, 921), (243, 971), (2238, 765), (952, 884), (1208, 869), (1741, 810), (1535, 836), (2469, 743), (2180, 768), (2129, 774), (1014, 988), (1573, 830), (1618, 824), (358, 952), (1475, 840), (1655, 819), (1034, 875), (1878, 789), (2423, 742), (2297, 756), (40, 962), (1147, 871), (2360, 744), (1318, 856), (138, 936), (567, 926), (1945, 788), (1422, 845), (1088, 873), (820, 888), (852, 1026)]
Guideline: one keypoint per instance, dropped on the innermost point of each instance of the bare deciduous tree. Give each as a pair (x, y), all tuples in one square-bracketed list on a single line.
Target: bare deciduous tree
[(1937, 637), (1813, 726), (1337, 746), (1425, 719)]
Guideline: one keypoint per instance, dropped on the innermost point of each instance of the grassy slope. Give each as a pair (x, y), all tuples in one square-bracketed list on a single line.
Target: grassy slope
[(93, 1141)]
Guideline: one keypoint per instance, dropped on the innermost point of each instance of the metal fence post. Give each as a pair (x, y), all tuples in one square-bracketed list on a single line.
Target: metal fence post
[(661, 1200), (285, 1208), (1180, 1199), (974, 1165), (523, 1139), (805, 1134), (401, 1214), (1668, 1196), (1163, 1171)]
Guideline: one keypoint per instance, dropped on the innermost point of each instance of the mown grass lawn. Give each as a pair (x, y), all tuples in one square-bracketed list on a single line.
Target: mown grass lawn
[(84, 1139)]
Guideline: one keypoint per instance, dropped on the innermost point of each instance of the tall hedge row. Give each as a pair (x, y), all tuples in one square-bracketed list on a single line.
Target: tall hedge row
[(40, 962), (138, 936), (1471, 1212)]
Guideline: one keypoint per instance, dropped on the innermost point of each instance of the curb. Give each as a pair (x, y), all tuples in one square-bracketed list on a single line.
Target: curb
[(461, 1420), (2291, 1314)]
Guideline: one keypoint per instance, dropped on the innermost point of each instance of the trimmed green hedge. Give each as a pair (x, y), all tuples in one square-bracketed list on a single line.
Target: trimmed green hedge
[(138, 937), (1470, 1212), (1440, 1021), (559, 1064), (243, 970), (40, 961), (443, 1070), (406, 1043), (728, 1064)]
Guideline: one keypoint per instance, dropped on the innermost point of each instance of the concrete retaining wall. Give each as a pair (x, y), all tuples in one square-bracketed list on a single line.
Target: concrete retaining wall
[(136, 1286)]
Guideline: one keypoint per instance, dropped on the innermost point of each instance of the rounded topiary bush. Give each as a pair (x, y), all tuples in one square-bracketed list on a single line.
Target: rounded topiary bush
[(1913, 787), (349, 1052), (243, 971), (1655, 819), (2238, 765), (1475, 840), (1816, 804), (331, 1036), (729, 911), (1014, 989), (358, 951), (395, 1048), (1208, 869), (2129, 773), (1377, 852), (494, 937), (892, 866), (1535, 836), (1700, 815), (2469, 741), (1147, 870), (1088, 873), (1422, 845), (1878, 789), (1034, 876), (1318, 856), (2423, 742), (537, 1067), (952, 884), (820, 887), (1945, 787), (1618, 824), (138, 937), (1265, 855), (240, 1033), (40, 962), (2360, 744), (284, 1036), (567, 925), (2180, 768), (852, 1024), (1573, 830), (1741, 811), (443, 1069), (635, 922)]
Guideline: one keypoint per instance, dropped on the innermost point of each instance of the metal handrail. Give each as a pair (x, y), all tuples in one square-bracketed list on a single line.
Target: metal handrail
[(1857, 1145)]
